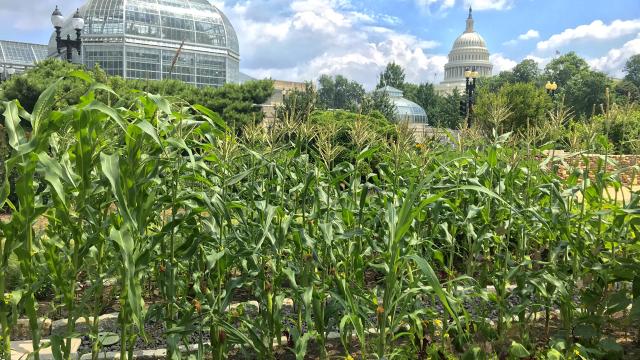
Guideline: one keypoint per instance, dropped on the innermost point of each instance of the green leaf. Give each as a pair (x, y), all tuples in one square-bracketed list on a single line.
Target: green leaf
[(554, 354), (149, 130), (111, 169), (108, 338), (113, 114), (161, 102), (12, 123), (433, 281), (53, 174), (214, 117), (44, 105), (518, 351)]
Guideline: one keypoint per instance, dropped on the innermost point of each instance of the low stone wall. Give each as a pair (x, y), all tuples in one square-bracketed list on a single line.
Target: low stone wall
[(628, 166)]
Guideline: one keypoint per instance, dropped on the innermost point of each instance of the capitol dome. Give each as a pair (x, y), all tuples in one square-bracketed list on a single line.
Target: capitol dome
[(469, 51), (140, 39)]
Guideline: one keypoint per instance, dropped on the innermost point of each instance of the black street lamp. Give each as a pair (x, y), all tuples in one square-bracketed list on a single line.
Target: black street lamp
[(78, 24), (471, 75), (551, 89), (6, 73)]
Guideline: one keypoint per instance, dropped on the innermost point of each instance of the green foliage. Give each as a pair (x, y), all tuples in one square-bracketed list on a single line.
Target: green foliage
[(379, 102), (527, 106), (622, 128), (28, 86), (632, 68), (526, 71), (393, 75), (235, 103), (297, 105), (344, 215), (626, 92), (339, 93), (563, 68), (586, 93)]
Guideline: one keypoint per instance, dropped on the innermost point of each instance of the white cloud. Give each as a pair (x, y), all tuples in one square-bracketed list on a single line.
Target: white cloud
[(33, 15), (501, 63), (304, 39), (481, 5), (597, 30), (613, 62), (531, 34)]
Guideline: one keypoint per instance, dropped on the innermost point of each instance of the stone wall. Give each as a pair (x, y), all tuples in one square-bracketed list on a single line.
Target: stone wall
[(628, 165)]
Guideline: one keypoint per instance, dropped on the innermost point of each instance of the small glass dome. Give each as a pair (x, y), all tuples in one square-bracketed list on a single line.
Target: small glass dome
[(406, 110)]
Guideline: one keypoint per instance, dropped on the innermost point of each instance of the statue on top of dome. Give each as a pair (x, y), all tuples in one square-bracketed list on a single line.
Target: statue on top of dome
[(470, 21)]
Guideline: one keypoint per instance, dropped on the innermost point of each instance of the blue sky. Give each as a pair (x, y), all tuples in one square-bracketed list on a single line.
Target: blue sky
[(301, 39)]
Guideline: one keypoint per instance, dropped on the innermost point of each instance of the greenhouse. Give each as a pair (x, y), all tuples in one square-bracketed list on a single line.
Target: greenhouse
[(140, 39), (406, 110), (16, 56)]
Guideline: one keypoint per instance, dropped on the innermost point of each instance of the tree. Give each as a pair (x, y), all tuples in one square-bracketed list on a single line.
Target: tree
[(393, 76), (526, 71), (339, 93), (527, 105), (426, 96), (494, 83), (298, 104), (586, 92), (28, 86), (626, 91), (564, 68), (632, 68), (379, 101), (233, 102)]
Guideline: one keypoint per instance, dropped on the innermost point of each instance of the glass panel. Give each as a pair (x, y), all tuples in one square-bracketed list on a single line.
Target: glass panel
[(143, 18), (109, 57), (18, 53), (184, 68), (143, 63), (103, 17)]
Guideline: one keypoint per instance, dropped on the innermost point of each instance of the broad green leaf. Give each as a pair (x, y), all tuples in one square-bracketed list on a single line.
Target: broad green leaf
[(149, 130), (518, 351), (12, 123), (53, 174), (433, 281), (44, 105)]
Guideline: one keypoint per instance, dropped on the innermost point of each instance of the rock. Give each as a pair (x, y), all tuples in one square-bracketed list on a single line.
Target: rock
[(106, 322), (21, 350), (22, 331)]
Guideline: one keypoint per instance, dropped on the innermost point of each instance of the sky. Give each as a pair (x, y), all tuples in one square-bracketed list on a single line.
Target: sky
[(300, 40)]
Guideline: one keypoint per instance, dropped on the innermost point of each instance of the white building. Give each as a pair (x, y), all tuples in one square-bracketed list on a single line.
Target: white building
[(469, 51)]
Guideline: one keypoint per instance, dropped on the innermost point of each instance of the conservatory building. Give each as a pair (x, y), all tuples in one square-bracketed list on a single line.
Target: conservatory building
[(406, 110), (469, 51), (189, 40)]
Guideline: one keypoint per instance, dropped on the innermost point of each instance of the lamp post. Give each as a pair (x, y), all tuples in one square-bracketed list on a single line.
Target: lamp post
[(470, 75), (6, 73), (551, 88), (78, 24)]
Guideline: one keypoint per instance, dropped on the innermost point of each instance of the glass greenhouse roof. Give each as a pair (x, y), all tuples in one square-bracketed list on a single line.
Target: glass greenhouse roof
[(195, 22), (19, 53), (188, 40), (406, 110)]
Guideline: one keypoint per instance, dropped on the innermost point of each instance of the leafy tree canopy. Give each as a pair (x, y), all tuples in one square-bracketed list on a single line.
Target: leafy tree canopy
[(339, 93), (564, 68), (393, 75), (526, 71), (632, 68)]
